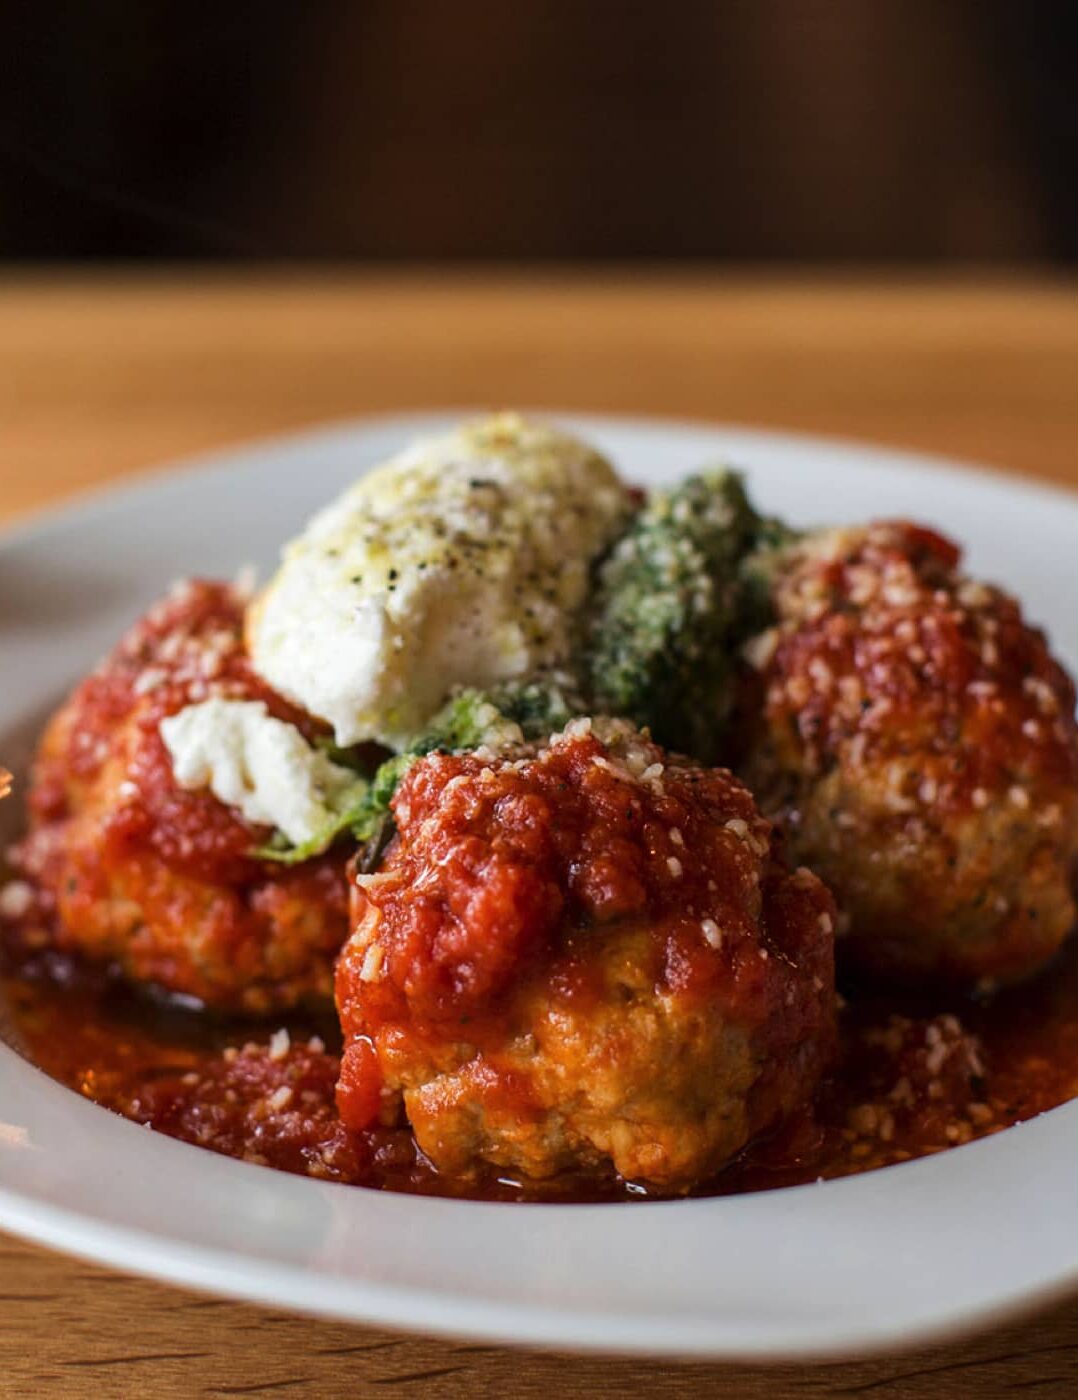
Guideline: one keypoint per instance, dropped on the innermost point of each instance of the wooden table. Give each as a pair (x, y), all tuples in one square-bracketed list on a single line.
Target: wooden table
[(103, 376)]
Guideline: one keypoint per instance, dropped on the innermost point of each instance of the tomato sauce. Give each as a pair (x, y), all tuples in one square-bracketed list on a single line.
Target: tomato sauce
[(914, 1077), (514, 852), (490, 903), (556, 934), (131, 866), (895, 653)]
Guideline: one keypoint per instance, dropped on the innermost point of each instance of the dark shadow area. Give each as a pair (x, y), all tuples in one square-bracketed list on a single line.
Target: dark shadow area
[(816, 130)]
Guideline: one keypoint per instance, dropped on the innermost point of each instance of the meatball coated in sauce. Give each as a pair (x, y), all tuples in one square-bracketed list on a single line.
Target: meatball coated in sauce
[(917, 741), (159, 880), (581, 954)]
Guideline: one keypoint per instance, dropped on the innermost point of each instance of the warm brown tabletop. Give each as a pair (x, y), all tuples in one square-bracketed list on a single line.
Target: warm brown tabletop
[(109, 375)]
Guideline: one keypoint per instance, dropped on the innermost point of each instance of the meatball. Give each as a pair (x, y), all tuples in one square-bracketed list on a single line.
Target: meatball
[(579, 954), (161, 881), (917, 742)]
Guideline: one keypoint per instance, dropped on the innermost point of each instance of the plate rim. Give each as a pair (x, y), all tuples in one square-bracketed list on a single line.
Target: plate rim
[(517, 1324), (30, 522)]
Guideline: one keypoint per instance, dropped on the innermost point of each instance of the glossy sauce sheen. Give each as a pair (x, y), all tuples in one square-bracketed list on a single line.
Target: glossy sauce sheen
[(912, 1079), (527, 907), (909, 1080)]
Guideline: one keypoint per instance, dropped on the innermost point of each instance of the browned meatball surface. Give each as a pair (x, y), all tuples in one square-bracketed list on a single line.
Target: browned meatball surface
[(916, 740), (583, 953), (129, 868)]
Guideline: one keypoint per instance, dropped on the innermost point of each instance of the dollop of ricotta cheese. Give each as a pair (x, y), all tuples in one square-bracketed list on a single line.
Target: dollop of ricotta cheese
[(461, 562), (258, 764)]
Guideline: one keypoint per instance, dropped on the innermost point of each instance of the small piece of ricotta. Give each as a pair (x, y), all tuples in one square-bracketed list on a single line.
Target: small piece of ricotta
[(258, 764), (461, 562)]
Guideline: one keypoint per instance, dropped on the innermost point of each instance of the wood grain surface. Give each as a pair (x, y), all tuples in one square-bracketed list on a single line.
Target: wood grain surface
[(102, 376)]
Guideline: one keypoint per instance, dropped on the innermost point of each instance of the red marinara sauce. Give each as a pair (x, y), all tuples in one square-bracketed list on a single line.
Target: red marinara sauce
[(130, 866), (914, 1075), (916, 739), (565, 932), (886, 645), (186, 649), (497, 859), (913, 1078)]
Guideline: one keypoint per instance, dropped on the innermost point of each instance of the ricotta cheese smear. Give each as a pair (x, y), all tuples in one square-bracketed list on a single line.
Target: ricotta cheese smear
[(463, 561), (258, 764)]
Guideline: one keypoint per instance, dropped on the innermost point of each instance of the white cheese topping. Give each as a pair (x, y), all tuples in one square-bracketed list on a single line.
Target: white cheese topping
[(460, 562), (258, 764)]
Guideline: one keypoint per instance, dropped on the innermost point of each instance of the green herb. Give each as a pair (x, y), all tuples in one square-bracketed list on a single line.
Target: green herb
[(468, 720), (671, 607), (541, 706), (757, 575), (672, 603)]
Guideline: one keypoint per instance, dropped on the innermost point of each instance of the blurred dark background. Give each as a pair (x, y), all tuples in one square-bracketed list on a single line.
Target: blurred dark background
[(807, 130)]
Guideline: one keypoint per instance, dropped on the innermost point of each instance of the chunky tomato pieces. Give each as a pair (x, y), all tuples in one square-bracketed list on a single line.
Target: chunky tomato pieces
[(895, 649), (510, 880), (162, 880), (501, 861)]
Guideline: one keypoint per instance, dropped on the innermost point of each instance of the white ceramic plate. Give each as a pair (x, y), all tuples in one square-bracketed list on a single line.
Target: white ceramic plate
[(895, 1255)]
